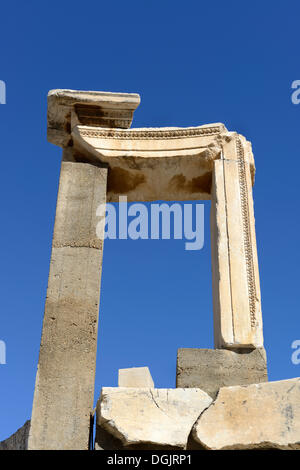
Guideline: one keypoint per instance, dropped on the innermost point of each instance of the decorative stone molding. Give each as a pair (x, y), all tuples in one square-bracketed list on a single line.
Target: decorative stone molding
[(155, 163), (236, 291), (152, 133), (247, 231)]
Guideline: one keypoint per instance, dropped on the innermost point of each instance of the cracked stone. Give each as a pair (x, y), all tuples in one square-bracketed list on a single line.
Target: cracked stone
[(150, 417), (260, 416)]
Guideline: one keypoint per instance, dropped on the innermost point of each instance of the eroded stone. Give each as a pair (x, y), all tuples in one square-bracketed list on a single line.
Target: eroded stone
[(211, 369), (64, 390), (18, 440), (150, 417), (95, 108), (260, 416)]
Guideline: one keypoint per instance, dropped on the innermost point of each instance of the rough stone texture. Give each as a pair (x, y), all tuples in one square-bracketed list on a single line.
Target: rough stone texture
[(64, 391), (236, 291), (211, 369), (18, 440), (262, 416), (149, 418), (95, 108), (135, 377)]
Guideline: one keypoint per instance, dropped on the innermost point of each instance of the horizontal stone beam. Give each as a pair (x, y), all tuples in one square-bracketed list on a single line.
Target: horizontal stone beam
[(145, 164), (148, 164)]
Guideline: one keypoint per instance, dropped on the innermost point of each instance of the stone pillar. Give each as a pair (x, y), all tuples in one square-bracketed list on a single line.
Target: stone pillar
[(236, 290), (64, 391)]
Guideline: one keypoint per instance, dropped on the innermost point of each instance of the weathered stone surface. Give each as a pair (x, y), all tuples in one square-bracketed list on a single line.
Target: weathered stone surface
[(236, 291), (135, 377), (64, 391), (150, 164), (211, 369), (260, 416), (104, 440), (150, 418), (205, 162), (18, 440), (95, 108)]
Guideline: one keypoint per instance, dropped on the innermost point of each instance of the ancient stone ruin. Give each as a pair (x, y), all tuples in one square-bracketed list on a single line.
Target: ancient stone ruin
[(222, 399)]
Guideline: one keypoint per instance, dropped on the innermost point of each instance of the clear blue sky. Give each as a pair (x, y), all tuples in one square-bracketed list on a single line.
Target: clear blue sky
[(193, 63)]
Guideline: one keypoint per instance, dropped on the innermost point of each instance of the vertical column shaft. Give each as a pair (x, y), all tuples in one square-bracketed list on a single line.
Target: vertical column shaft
[(64, 390), (236, 291)]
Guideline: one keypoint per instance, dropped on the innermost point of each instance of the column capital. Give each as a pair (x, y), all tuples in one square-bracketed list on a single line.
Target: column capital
[(90, 108)]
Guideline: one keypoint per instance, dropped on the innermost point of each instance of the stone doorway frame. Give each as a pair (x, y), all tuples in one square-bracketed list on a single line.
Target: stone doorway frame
[(103, 159)]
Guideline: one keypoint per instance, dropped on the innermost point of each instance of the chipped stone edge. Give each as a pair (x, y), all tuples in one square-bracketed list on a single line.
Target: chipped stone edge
[(239, 446), (61, 104), (110, 427)]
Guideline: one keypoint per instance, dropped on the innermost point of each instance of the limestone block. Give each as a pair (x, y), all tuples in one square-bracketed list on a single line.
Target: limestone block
[(64, 391), (260, 416), (18, 440), (150, 418), (96, 108), (135, 377), (211, 369)]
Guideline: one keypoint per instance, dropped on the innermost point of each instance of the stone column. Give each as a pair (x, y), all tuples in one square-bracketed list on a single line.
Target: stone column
[(236, 290), (64, 391)]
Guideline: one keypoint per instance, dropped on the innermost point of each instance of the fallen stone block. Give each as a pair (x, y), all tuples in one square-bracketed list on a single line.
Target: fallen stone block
[(135, 377), (211, 369), (260, 416), (149, 418)]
